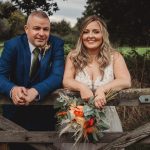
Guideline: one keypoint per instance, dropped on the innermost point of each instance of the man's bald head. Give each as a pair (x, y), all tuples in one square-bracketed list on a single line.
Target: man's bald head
[(39, 14)]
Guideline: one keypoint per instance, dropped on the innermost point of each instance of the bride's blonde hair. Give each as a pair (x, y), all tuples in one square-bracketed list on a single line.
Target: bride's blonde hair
[(80, 56)]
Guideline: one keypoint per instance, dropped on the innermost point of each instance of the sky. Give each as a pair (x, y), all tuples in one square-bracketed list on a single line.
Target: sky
[(70, 10)]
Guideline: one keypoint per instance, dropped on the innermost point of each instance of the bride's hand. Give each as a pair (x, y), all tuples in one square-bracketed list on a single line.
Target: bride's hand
[(100, 98), (86, 93)]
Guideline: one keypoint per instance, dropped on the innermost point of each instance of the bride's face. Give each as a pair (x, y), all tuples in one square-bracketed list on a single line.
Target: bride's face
[(92, 36)]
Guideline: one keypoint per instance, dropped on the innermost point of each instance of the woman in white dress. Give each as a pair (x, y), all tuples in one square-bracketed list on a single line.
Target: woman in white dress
[(94, 68)]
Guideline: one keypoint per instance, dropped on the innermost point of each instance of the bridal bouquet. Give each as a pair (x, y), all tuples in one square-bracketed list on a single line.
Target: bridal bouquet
[(82, 117)]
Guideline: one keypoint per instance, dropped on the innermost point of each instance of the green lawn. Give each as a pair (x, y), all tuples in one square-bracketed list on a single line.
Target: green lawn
[(140, 50), (1, 50), (1, 43), (1, 46)]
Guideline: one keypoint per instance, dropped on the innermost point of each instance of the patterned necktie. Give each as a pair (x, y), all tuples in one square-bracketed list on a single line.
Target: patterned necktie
[(35, 62)]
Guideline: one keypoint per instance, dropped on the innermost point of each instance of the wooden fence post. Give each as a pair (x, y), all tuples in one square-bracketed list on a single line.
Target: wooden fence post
[(4, 147)]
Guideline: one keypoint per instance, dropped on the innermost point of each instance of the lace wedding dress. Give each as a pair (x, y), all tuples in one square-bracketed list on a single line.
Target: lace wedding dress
[(111, 113)]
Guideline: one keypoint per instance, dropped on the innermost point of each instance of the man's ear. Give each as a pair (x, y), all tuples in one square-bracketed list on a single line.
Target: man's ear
[(26, 28)]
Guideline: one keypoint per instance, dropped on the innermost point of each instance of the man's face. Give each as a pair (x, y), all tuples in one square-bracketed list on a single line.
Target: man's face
[(38, 30)]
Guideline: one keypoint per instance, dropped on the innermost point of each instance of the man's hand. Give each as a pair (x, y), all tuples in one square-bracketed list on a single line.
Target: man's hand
[(31, 95), (18, 94)]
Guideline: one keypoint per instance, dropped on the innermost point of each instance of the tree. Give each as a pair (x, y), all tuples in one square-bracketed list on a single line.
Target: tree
[(27, 6), (17, 21), (128, 20), (11, 22), (61, 28), (6, 9), (64, 30), (4, 29)]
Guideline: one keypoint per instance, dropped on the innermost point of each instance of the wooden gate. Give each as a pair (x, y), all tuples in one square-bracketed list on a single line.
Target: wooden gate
[(12, 133)]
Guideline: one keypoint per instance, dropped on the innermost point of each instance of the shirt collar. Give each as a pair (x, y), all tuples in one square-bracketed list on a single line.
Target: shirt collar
[(31, 46)]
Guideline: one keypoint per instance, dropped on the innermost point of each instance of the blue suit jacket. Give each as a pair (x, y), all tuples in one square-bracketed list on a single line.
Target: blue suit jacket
[(15, 64)]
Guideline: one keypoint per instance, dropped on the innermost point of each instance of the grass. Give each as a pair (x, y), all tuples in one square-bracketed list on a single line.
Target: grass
[(1, 50), (1, 43), (139, 50), (1, 46)]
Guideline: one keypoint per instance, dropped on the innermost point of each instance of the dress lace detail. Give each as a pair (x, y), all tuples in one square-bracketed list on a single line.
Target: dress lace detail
[(84, 77)]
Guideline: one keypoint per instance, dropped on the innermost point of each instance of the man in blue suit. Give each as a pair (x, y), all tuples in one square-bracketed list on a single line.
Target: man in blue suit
[(15, 73)]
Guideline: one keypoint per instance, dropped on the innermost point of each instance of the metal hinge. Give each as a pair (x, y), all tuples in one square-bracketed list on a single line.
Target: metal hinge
[(144, 98)]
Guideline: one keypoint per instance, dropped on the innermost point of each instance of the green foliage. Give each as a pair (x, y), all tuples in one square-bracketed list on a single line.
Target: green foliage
[(11, 24), (64, 30), (17, 22), (27, 6), (1, 46), (139, 50), (6, 9), (4, 29), (67, 49), (139, 67)]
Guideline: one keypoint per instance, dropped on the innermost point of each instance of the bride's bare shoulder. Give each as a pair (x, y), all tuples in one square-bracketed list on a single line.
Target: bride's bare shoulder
[(72, 53), (116, 55)]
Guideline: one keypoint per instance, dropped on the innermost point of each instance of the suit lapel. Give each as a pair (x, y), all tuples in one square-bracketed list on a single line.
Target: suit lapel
[(27, 58)]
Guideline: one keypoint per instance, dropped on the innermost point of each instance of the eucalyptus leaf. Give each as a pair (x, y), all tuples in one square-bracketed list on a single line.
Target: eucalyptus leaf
[(95, 137), (104, 125)]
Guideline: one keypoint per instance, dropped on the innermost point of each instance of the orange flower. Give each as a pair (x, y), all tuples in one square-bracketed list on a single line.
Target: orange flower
[(78, 113), (88, 130), (63, 113)]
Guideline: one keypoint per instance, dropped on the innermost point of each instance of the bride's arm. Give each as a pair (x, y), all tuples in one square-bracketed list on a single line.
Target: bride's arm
[(122, 80), (70, 82), (122, 76)]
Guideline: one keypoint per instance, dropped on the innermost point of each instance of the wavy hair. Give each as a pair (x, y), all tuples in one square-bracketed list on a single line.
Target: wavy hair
[(80, 56)]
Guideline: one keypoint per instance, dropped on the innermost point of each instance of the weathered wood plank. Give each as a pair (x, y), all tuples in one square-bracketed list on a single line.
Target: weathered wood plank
[(8, 125), (129, 138), (145, 141), (52, 137), (46, 137), (129, 97)]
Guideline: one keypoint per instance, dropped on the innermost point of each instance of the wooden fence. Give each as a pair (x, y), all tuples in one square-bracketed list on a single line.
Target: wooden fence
[(12, 133)]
